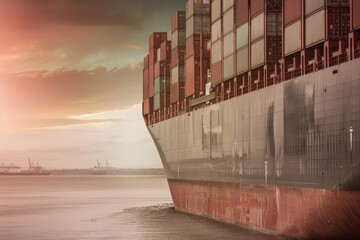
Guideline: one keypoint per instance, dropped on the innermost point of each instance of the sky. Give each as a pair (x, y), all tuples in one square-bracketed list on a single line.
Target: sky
[(71, 81)]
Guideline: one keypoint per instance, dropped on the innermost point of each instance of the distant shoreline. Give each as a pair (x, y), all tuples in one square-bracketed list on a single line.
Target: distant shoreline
[(117, 171)]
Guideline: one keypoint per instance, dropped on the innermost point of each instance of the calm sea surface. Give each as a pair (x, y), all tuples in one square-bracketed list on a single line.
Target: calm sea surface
[(101, 207)]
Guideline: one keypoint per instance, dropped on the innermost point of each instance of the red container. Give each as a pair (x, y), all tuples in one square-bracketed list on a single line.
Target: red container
[(157, 69), (292, 11), (242, 12), (356, 13), (178, 21), (190, 85), (165, 51), (216, 73), (146, 106), (151, 88), (152, 57), (145, 91), (146, 61), (174, 93), (146, 76), (256, 6), (193, 46), (178, 57), (156, 39)]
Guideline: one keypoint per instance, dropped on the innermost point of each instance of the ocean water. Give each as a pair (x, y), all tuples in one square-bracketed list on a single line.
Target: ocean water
[(99, 208)]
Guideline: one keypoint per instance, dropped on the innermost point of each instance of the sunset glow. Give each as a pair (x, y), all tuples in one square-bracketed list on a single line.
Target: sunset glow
[(74, 65)]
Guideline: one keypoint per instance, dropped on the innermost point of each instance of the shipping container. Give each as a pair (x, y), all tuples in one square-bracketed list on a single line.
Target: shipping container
[(177, 74), (257, 6), (145, 91), (146, 76), (228, 44), (198, 24), (227, 4), (178, 56), (242, 35), (273, 24), (151, 88), (257, 53), (258, 26), (193, 46), (190, 84), (178, 38), (338, 20), (146, 61), (216, 31), (216, 53), (228, 21), (312, 6), (178, 21), (292, 11), (216, 73), (229, 67), (215, 10), (157, 101), (292, 38), (356, 14), (165, 51), (242, 62), (168, 35), (242, 12), (156, 39), (146, 107), (315, 28), (174, 93), (194, 7)]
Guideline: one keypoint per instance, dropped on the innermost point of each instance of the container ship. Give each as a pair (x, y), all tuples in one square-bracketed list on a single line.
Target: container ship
[(254, 107)]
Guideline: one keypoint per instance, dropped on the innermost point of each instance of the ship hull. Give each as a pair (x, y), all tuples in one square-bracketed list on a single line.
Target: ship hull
[(282, 210), (284, 159), (25, 174)]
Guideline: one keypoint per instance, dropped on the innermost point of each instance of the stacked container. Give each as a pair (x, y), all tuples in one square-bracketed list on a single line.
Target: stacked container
[(216, 42), (162, 77), (178, 26), (197, 60), (354, 36), (155, 40)]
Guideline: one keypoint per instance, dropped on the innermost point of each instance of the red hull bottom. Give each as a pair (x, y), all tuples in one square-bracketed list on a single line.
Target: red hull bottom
[(290, 211)]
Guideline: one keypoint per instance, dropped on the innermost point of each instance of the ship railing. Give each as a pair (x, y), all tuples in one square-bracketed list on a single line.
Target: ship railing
[(293, 74), (333, 61), (343, 57), (309, 68)]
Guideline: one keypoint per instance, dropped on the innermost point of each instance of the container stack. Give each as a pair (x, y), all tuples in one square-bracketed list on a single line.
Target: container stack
[(178, 28), (162, 78), (197, 60), (354, 36), (146, 104), (315, 35), (216, 42), (155, 40)]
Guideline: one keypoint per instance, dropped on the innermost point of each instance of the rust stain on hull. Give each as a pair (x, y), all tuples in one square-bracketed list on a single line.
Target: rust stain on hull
[(282, 210)]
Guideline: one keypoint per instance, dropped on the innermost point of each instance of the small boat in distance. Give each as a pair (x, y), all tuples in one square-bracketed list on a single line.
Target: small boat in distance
[(14, 170)]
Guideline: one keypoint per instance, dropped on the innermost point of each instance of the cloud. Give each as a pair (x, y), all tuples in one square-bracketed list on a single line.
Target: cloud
[(48, 98), (133, 46)]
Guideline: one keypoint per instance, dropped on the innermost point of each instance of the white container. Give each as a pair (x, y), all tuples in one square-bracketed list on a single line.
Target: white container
[(242, 35), (174, 75), (313, 5), (215, 10), (229, 21), (216, 31), (257, 26), (257, 53), (315, 28), (227, 4), (228, 67), (229, 44), (216, 51), (242, 60), (293, 38)]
